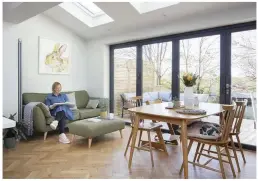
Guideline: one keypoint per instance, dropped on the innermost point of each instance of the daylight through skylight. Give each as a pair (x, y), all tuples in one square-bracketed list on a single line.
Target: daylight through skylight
[(87, 12), (89, 8), (144, 7)]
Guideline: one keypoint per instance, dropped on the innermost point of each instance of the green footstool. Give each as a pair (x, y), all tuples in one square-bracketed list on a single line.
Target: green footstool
[(89, 129)]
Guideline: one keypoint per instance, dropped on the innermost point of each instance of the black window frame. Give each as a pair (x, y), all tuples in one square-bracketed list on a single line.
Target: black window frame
[(225, 57)]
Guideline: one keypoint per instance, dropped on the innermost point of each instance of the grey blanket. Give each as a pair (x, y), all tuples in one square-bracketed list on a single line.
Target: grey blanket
[(27, 121)]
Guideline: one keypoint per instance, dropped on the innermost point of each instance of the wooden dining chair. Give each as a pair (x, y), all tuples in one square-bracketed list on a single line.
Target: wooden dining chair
[(238, 119), (135, 101), (226, 123), (170, 126), (240, 107), (148, 127)]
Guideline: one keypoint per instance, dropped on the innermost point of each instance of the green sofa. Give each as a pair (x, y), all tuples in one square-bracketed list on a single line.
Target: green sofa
[(41, 123)]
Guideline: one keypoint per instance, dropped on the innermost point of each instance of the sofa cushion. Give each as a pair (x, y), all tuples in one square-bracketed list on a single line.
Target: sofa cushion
[(165, 96), (71, 98), (92, 104), (82, 98), (33, 97), (89, 113), (150, 96)]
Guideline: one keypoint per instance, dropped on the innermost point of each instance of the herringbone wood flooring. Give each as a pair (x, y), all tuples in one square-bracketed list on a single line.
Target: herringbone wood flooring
[(105, 159)]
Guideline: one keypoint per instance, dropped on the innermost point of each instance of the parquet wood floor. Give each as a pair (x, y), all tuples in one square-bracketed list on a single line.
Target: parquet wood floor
[(105, 159)]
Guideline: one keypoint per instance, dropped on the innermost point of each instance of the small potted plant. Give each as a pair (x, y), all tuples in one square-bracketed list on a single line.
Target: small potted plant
[(176, 102), (103, 107), (12, 135)]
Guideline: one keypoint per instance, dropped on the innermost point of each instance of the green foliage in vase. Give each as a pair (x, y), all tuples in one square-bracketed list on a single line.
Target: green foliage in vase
[(189, 79)]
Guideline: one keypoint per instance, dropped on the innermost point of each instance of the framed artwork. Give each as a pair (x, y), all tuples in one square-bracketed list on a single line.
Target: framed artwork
[(54, 57)]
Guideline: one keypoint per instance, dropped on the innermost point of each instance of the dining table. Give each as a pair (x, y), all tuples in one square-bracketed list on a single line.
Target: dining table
[(161, 113)]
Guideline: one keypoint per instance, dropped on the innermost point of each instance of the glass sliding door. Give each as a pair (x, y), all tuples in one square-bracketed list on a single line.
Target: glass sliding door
[(243, 75), (201, 56), (156, 75), (124, 77), (224, 58)]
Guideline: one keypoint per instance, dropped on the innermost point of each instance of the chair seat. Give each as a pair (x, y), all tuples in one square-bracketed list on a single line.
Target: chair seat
[(128, 105), (208, 141), (203, 130), (149, 126)]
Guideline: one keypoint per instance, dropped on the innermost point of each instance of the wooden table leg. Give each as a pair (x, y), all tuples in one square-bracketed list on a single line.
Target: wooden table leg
[(161, 141), (184, 147), (135, 130)]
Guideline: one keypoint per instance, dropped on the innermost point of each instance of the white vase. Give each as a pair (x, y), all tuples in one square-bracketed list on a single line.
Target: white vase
[(188, 97)]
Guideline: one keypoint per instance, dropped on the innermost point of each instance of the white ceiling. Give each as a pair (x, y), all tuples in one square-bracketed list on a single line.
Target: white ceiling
[(127, 18), (17, 12)]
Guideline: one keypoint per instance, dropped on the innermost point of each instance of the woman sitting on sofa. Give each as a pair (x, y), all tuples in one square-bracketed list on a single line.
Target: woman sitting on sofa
[(60, 112)]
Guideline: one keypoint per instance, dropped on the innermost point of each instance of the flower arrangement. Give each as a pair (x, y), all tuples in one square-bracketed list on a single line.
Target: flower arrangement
[(189, 79)]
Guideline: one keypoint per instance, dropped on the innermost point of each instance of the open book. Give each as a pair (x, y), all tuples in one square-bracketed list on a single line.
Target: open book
[(69, 104)]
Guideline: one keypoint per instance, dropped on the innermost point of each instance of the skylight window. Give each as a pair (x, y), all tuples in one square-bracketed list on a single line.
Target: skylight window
[(87, 12), (144, 7), (90, 8)]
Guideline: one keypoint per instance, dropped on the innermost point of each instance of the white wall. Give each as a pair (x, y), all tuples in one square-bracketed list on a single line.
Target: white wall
[(28, 31), (98, 50)]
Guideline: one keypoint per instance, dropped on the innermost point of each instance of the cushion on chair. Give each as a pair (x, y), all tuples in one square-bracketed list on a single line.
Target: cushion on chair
[(204, 130), (165, 96), (150, 96), (127, 96)]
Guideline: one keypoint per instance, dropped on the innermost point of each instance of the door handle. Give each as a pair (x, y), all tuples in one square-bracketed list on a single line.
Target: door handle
[(228, 86), (138, 75)]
